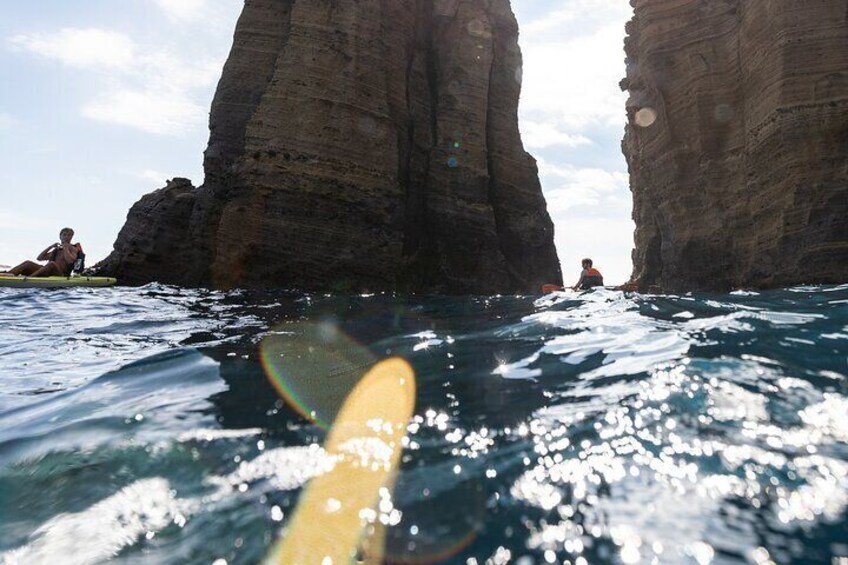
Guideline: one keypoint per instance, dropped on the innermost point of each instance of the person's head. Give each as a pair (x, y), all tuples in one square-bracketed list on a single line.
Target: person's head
[(587, 263), (66, 235)]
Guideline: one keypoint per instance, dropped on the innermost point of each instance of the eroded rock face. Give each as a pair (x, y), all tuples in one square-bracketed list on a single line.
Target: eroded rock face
[(357, 145), (739, 169)]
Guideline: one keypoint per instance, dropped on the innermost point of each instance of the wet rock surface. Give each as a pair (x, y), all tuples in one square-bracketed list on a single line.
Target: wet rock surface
[(363, 145), (738, 142)]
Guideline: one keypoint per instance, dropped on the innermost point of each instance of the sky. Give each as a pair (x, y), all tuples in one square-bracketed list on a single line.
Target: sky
[(102, 101)]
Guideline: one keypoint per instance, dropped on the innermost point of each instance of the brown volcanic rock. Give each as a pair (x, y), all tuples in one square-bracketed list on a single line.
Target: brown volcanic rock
[(357, 145), (742, 180), (144, 253)]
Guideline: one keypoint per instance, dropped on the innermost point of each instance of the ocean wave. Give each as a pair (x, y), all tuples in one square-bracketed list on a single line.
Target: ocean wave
[(603, 426)]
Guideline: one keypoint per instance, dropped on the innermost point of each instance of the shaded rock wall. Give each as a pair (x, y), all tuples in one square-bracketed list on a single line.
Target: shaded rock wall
[(739, 169), (357, 145)]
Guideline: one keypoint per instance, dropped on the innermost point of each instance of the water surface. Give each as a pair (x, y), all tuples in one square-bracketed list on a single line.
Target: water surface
[(141, 425)]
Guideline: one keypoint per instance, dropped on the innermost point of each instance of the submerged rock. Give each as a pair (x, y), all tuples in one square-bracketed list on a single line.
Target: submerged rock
[(364, 145), (738, 142)]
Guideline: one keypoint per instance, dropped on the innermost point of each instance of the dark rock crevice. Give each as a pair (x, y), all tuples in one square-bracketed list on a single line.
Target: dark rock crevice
[(421, 96)]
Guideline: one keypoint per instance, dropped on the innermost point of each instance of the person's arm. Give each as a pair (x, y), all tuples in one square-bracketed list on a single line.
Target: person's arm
[(45, 255), (580, 282)]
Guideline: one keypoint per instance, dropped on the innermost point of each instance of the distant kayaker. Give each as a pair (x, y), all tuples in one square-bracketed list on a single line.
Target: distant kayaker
[(589, 278), (60, 259)]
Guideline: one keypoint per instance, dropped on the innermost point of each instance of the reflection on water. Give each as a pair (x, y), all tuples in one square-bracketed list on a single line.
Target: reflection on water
[(140, 425)]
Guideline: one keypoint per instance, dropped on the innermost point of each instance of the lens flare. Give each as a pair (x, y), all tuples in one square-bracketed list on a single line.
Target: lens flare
[(314, 366), (645, 117)]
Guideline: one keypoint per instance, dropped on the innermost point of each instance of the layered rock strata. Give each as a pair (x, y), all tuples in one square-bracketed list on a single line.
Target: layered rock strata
[(368, 145), (738, 143)]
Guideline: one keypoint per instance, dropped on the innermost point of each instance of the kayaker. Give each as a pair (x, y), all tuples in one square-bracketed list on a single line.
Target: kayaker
[(60, 259), (589, 278)]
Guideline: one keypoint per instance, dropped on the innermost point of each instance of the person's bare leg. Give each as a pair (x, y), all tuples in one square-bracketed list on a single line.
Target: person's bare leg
[(27, 268), (48, 270)]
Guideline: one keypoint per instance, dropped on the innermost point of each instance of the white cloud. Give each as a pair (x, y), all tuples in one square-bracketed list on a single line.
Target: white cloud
[(81, 48), (575, 18), (607, 242), (206, 15), (16, 220), (575, 82), (550, 22), (573, 62), (17, 248), (7, 122), (590, 208), (570, 177), (152, 89), (184, 10), (568, 187), (154, 176), (163, 68), (542, 135), (153, 111)]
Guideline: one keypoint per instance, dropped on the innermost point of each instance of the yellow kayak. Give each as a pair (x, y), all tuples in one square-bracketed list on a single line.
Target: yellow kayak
[(13, 281)]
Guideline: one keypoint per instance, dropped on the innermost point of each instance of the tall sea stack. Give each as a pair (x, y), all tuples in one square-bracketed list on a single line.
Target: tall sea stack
[(738, 143), (367, 145)]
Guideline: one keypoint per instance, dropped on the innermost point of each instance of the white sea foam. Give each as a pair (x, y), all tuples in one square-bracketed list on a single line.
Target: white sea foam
[(104, 529), (212, 435), (286, 468), (147, 506)]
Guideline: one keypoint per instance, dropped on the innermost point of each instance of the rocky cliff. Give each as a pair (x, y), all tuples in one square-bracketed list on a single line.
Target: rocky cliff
[(738, 142), (357, 145)]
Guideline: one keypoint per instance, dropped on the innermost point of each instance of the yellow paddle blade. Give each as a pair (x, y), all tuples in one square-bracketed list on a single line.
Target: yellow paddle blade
[(338, 507)]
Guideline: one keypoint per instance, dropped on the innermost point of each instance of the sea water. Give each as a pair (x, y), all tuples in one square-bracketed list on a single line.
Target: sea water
[(147, 425)]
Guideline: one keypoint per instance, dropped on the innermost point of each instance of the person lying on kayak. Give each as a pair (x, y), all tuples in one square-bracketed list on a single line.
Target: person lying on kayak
[(60, 259), (589, 278)]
